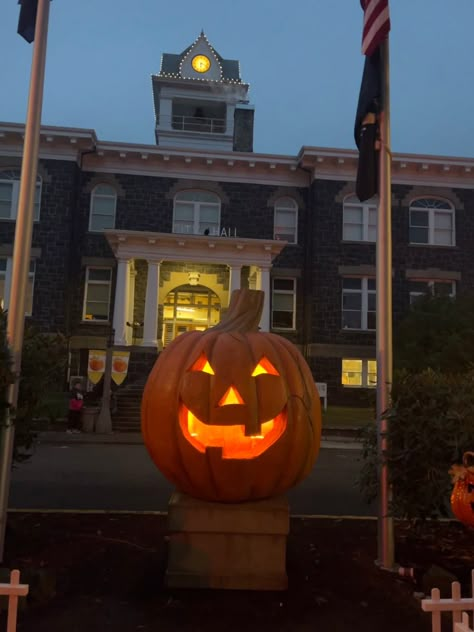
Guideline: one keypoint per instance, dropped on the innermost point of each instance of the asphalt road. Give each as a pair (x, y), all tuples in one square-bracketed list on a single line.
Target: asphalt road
[(122, 477)]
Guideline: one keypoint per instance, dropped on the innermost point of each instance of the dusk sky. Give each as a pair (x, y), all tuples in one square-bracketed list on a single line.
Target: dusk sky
[(302, 60)]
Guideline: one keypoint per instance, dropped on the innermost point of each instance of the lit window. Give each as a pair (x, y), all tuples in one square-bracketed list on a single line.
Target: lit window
[(103, 207), (5, 284), (432, 222), (431, 288), (196, 213), (9, 194), (359, 220), (286, 220), (283, 303), (359, 373), (97, 294), (358, 303)]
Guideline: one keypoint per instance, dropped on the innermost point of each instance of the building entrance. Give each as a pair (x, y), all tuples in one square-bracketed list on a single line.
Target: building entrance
[(189, 308)]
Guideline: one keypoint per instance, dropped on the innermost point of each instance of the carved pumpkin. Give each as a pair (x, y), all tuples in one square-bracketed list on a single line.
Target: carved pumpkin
[(462, 496), (231, 413)]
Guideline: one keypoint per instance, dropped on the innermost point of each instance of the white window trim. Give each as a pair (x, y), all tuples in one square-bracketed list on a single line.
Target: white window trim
[(431, 284), (364, 374), (8, 282), (196, 211), (93, 195), (286, 292), (86, 285), (366, 206), (15, 182), (364, 303), (294, 209), (431, 221)]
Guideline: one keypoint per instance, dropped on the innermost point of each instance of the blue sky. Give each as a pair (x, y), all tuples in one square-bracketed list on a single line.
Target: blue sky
[(301, 58)]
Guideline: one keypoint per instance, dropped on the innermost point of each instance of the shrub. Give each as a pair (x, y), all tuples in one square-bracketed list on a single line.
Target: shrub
[(430, 426)]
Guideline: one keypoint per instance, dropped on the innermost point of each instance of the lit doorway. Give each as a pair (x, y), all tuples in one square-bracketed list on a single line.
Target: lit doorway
[(189, 308)]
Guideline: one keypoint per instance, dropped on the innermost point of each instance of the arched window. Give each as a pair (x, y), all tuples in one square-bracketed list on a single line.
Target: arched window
[(196, 213), (103, 207), (359, 219), (285, 223), (9, 194), (432, 222)]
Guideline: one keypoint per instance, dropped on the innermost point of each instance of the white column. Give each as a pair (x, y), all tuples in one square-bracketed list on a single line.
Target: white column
[(131, 304), (121, 301), (151, 304), (263, 283), (166, 114), (234, 279)]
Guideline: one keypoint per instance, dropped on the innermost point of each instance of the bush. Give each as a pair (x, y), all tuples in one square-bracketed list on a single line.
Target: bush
[(430, 426)]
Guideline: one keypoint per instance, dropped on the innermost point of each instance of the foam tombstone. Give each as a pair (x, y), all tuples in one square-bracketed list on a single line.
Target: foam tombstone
[(232, 414)]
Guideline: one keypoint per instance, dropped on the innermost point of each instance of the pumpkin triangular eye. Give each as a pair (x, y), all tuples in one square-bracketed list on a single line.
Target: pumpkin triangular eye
[(264, 366), (202, 364)]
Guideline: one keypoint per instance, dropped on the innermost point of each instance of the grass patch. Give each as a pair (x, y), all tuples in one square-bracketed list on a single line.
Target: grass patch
[(347, 416)]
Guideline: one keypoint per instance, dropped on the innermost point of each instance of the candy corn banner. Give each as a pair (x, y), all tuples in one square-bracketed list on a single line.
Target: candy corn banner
[(120, 366), (96, 365)]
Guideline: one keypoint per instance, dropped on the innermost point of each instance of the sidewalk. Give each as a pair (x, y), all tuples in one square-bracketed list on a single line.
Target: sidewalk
[(330, 436)]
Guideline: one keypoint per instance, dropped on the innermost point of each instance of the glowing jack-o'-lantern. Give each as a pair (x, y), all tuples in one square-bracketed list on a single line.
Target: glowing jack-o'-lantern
[(462, 496), (231, 413)]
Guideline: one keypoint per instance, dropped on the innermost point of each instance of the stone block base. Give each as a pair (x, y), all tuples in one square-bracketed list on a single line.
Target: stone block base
[(236, 546)]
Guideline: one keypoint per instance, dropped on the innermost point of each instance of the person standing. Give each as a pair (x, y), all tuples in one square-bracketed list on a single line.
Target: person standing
[(76, 402)]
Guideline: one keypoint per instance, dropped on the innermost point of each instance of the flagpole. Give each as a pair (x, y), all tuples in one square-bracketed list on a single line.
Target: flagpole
[(384, 318), (22, 251)]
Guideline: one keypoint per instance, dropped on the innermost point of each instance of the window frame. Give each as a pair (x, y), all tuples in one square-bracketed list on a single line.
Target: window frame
[(286, 293), (432, 211), (196, 211), (95, 195), (12, 177), (87, 281), (431, 286), (351, 201), (364, 310), (285, 209), (364, 373), (7, 277)]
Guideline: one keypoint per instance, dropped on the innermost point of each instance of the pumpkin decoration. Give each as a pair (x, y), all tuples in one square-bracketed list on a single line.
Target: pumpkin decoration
[(119, 365), (232, 414), (462, 496), (96, 364)]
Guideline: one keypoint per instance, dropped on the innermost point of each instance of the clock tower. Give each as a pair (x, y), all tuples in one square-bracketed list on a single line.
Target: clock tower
[(201, 101)]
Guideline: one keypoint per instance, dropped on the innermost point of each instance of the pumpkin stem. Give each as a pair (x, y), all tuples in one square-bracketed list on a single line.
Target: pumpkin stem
[(244, 312)]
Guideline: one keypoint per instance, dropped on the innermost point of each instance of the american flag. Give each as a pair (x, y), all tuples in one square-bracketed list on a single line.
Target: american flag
[(376, 24)]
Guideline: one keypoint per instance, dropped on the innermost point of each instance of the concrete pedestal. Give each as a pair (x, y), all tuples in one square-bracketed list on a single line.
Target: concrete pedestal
[(235, 546)]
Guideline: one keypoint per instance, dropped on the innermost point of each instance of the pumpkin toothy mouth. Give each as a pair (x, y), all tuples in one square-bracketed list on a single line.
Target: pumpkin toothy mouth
[(231, 439)]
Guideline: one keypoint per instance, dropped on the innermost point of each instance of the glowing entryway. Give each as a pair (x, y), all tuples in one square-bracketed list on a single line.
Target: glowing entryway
[(189, 308)]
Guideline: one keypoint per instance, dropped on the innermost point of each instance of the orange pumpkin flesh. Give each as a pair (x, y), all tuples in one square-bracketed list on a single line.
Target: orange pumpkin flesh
[(232, 414)]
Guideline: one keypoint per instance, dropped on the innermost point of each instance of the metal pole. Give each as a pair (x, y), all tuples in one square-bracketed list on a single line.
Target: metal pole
[(22, 251), (384, 318), (104, 421)]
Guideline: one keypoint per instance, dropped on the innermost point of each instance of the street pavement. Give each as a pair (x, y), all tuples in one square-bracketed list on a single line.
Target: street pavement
[(75, 472)]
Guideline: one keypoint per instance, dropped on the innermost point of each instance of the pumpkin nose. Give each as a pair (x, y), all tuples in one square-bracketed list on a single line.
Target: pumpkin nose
[(231, 396)]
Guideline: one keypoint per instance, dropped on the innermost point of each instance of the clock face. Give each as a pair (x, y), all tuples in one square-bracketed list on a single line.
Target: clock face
[(201, 63)]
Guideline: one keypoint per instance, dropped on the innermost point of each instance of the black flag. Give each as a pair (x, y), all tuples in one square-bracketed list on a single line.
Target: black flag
[(27, 20), (366, 127)]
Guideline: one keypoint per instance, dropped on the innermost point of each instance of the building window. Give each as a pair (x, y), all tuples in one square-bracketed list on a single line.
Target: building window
[(97, 294), (283, 303), (196, 213), (5, 284), (359, 373), (359, 220), (285, 220), (431, 288), (9, 194), (432, 222), (358, 303), (103, 207)]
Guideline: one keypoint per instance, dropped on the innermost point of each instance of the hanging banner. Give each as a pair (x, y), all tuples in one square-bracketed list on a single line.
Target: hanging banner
[(96, 365), (120, 366)]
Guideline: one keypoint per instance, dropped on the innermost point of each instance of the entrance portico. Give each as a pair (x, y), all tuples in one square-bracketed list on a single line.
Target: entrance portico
[(230, 253)]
